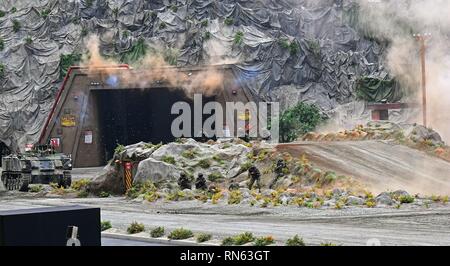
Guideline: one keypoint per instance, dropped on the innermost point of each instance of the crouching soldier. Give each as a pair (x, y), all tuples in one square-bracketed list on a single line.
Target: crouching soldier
[(200, 183), (279, 171), (254, 176), (184, 182)]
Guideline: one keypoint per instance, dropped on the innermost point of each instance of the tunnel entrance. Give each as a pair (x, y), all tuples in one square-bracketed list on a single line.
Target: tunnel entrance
[(129, 116)]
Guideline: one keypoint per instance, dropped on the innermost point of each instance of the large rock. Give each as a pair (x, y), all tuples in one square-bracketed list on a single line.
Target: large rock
[(156, 171), (384, 199), (111, 182), (352, 200)]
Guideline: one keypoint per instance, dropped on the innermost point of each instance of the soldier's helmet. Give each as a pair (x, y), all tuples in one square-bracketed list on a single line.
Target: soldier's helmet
[(200, 175)]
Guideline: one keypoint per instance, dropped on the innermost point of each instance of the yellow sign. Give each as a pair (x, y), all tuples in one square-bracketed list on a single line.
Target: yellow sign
[(68, 121)]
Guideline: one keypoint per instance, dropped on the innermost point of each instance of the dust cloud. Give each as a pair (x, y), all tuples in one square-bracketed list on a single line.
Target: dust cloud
[(396, 22), (152, 70)]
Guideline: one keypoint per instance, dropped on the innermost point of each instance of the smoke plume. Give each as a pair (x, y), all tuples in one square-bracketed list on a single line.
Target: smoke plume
[(396, 21)]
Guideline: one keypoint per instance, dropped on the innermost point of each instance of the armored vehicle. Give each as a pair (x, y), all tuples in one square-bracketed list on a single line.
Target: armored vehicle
[(41, 165)]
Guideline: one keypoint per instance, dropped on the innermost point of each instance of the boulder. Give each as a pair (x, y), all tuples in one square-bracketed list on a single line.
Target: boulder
[(352, 200), (384, 199), (156, 171), (399, 193), (111, 182)]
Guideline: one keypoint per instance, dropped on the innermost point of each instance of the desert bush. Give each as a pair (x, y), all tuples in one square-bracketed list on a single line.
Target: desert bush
[(180, 233), (105, 225), (82, 194), (203, 237), (235, 197), (264, 241), (174, 8), (406, 199), (228, 21), (45, 13), (328, 244), (189, 154), (157, 232), (205, 23), (2, 13), (228, 241), (135, 228), (104, 194), (215, 176), (168, 159), (207, 35), (295, 241), (243, 238), (204, 163), (371, 203), (162, 26), (35, 188), (119, 149), (238, 38), (2, 44), (16, 25), (80, 184), (245, 166), (216, 197), (176, 195)]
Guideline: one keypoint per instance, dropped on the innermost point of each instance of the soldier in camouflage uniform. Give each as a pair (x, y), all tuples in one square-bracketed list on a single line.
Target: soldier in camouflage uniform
[(279, 171), (200, 183), (184, 182), (254, 176)]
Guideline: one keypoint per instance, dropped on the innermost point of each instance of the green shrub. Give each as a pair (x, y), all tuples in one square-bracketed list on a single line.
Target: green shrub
[(228, 241), (2, 70), (83, 194), (294, 48), (203, 237), (243, 238), (264, 241), (105, 225), (295, 241), (104, 194), (119, 149), (35, 188), (406, 199), (180, 233), (189, 154), (80, 184), (135, 228), (2, 13), (66, 61), (238, 38), (2, 44), (228, 21), (205, 163), (16, 25), (245, 166), (299, 120), (284, 43), (205, 23), (28, 40), (328, 244), (45, 13), (214, 177), (89, 3), (157, 232), (168, 159), (13, 9), (163, 25), (235, 197), (207, 35), (174, 8)]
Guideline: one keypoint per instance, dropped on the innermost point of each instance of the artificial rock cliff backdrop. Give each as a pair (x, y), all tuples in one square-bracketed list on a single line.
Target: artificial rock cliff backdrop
[(287, 50)]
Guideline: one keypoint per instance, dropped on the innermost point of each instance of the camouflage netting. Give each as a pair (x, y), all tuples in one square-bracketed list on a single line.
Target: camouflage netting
[(311, 46)]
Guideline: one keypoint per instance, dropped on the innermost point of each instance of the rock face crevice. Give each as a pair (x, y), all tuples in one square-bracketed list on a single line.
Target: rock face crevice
[(311, 47)]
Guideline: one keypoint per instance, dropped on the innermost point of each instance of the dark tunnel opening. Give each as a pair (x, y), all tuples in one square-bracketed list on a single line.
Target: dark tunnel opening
[(129, 116)]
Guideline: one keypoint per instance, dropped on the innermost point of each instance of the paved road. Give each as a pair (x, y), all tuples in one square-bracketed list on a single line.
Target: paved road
[(353, 226), (381, 165), (106, 241)]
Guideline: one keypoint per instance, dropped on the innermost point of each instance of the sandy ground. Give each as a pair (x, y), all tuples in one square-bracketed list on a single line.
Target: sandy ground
[(414, 225), (380, 165)]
